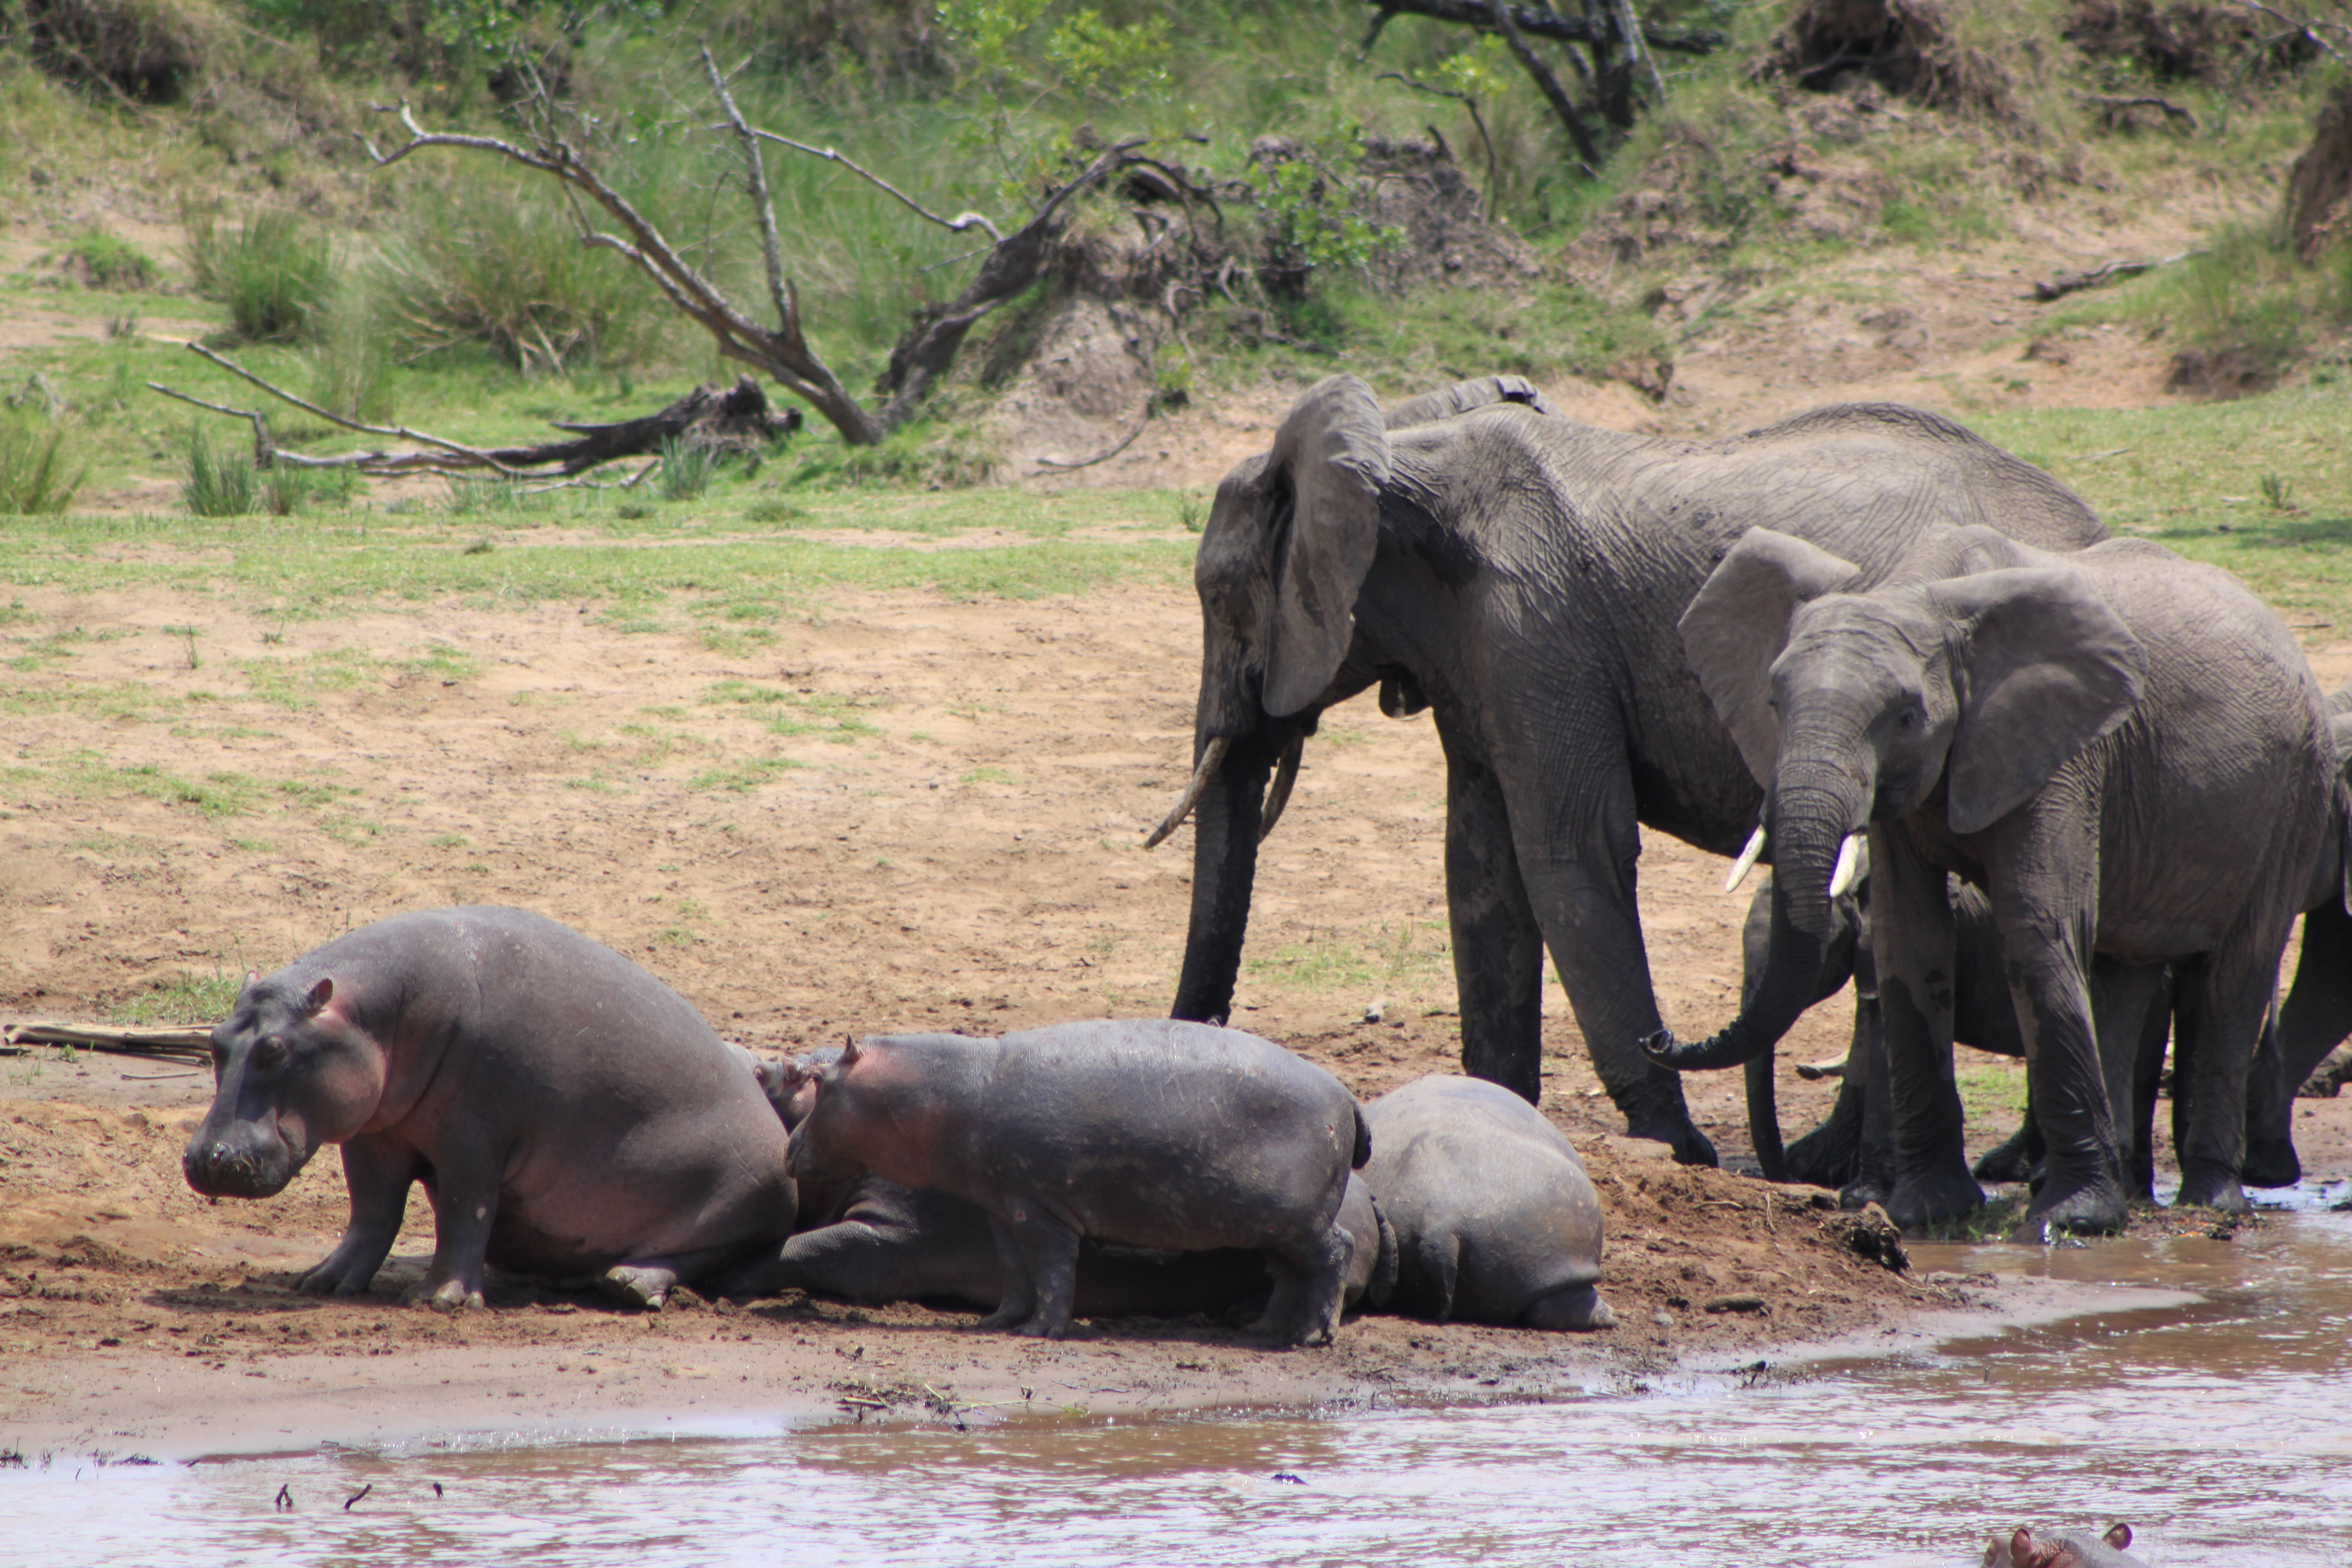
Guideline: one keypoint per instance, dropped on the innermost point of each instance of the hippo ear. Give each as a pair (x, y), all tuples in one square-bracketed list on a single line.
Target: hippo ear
[(1331, 457), (253, 977), (320, 994), (1737, 623), (2118, 1536), (849, 1051)]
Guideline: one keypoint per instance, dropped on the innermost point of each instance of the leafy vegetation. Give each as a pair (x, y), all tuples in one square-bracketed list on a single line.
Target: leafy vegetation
[(37, 472)]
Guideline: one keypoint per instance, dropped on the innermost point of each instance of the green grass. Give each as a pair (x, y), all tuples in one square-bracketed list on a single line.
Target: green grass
[(1389, 953), (745, 776), (191, 998)]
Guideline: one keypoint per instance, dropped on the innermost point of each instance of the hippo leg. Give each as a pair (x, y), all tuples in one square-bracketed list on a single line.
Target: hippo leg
[(1309, 1281), (465, 1204), (1048, 1250), (1577, 1308), (378, 1173)]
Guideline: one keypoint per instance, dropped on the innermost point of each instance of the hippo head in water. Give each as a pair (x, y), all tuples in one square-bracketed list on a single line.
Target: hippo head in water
[(291, 1070), (2062, 1549)]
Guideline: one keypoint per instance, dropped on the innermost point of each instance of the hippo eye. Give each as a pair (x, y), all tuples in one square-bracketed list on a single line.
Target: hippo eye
[(270, 1052)]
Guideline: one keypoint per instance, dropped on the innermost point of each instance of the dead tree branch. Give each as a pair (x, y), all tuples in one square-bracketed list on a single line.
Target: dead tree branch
[(474, 456), (2309, 30), (1507, 23), (2073, 282), (1544, 23), (958, 224), (2114, 107)]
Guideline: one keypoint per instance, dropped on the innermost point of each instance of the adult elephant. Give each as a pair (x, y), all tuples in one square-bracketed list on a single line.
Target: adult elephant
[(1521, 576)]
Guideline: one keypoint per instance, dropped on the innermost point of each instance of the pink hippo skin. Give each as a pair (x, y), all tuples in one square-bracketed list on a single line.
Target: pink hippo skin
[(1146, 1133), (873, 1240), (2062, 1549), (570, 1115)]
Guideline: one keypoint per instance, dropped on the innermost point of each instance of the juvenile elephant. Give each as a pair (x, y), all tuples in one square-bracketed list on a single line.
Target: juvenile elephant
[(1521, 576), (1496, 1221), (2083, 737)]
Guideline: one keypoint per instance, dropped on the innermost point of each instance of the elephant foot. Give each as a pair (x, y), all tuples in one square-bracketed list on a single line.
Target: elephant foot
[(1923, 1199), (1828, 1155), (1690, 1145), (2205, 1185), (1575, 1311), (2085, 1206), (1866, 1189), (2013, 1160), (2271, 1162)]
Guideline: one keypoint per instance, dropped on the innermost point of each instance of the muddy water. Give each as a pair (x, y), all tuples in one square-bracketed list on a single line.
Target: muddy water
[(2222, 1430)]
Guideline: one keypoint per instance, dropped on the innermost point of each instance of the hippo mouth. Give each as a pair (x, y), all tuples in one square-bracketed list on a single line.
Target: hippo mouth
[(240, 1165)]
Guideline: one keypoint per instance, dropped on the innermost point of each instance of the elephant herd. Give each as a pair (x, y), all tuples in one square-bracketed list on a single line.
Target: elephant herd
[(2093, 784), (2030, 787)]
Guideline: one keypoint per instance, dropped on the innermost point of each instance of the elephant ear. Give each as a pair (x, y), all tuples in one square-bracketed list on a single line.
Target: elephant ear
[(2339, 726), (2049, 669), (1738, 623), (1332, 456), (1465, 395)]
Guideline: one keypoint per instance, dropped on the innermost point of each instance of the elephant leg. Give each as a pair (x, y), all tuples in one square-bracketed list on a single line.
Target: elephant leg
[(2129, 1002), (1498, 950), (1831, 1154), (1913, 941), (2147, 1073), (2015, 1158), (1873, 1181), (2313, 1021), (2218, 1021), (2045, 940)]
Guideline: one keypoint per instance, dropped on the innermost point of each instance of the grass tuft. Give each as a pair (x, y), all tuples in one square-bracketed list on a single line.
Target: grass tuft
[(37, 476), (217, 486), (273, 273)]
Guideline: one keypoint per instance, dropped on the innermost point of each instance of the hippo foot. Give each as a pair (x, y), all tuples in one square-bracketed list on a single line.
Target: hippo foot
[(1002, 1319), (1575, 1311), (2207, 1186), (645, 1289), (2271, 1162), (1924, 1199), (450, 1296), (330, 1279), (2096, 1207)]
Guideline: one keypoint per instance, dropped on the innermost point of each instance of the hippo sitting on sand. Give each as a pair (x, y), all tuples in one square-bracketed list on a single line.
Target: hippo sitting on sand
[(2063, 1549), (870, 1239), (1496, 1221), (1149, 1133), (570, 1115)]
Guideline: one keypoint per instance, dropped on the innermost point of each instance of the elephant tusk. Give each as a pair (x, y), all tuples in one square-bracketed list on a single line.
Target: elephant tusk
[(1211, 760), (1285, 774), (1746, 861), (1849, 867)]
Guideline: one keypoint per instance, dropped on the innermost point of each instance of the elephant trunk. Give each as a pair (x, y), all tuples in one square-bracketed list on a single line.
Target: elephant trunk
[(1224, 871), (1810, 821)]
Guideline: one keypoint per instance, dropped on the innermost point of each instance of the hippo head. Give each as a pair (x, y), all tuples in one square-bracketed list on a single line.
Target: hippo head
[(819, 1083), (791, 1085), (2057, 1549), (291, 1070)]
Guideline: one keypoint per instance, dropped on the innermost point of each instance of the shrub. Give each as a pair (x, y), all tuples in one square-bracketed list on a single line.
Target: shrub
[(274, 275), (110, 263), (217, 486), (687, 468), (498, 262), (34, 465)]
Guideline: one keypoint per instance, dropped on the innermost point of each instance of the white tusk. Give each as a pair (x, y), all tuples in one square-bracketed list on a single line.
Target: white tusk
[(1211, 760), (1285, 774), (1745, 863), (1849, 867)]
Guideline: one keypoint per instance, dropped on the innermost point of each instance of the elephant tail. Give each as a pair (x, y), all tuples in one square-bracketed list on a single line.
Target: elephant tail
[(1363, 1153)]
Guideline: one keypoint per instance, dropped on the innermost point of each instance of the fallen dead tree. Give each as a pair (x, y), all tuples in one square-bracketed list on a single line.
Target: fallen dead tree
[(2112, 272), (192, 1043), (735, 420)]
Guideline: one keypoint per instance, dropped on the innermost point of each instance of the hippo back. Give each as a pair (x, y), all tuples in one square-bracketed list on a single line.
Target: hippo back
[(1491, 1207)]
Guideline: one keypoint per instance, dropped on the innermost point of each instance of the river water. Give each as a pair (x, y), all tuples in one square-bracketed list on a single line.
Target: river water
[(2222, 1430)]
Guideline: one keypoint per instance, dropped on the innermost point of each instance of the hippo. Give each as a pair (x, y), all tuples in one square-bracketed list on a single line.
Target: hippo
[(570, 1115), (1144, 1134), (2063, 1549), (1496, 1221), (870, 1239)]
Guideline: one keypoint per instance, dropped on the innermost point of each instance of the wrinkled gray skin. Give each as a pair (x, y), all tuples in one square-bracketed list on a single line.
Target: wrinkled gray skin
[(1495, 1220), (570, 1116), (2317, 1012), (2079, 736), (1521, 574), (2026, 1548), (1143, 1134), (873, 1240)]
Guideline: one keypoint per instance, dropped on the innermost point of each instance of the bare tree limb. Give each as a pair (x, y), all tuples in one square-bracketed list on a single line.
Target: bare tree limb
[(2309, 30), (1103, 457), (1469, 102), (1630, 27), (1546, 23), (959, 223), (307, 406), (265, 451), (763, 207), (1547, 84), (2073, 282)]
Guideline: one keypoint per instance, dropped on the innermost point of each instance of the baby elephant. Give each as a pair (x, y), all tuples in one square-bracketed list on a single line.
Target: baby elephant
[(873, 1240), (2063, 1549), (1146, 1133), (1496, 1221), (569, 1114)]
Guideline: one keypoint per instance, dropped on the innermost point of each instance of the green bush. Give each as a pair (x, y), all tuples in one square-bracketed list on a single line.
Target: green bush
[(217, 486), (36, 473), (497, 261), (275, 276), (110, 263)]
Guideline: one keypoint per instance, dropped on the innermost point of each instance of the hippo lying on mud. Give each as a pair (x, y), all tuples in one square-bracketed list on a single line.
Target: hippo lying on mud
[(1149, 1133), (1495, 1220), (570, 1115), (870, 1239), (2063, 1549)]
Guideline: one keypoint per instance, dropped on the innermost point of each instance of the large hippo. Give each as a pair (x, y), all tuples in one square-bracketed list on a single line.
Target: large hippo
[(2062, 1549), (570, 1115), (1495, 1220), (874, 1240), (1143, 1134)]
